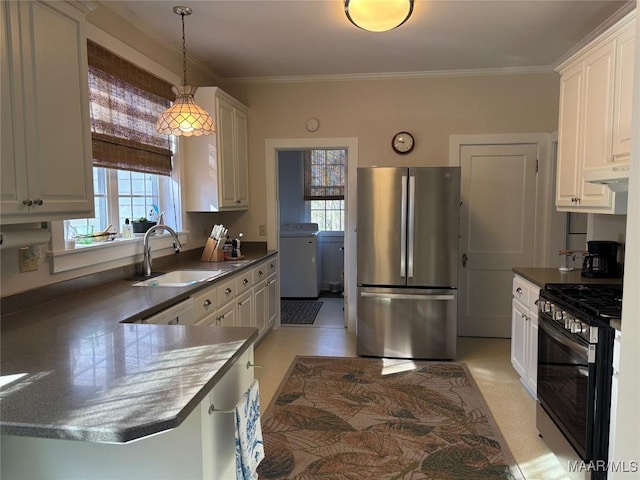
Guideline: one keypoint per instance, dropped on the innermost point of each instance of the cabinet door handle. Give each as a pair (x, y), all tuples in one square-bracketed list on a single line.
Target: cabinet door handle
[(260, 273), (27, 202), (228, 291), (519, 291), (245, 281), (206, 303), (38, 201), (464, 260)]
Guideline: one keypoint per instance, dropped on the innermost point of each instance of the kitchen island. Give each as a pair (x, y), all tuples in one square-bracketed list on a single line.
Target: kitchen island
[(86, 396)]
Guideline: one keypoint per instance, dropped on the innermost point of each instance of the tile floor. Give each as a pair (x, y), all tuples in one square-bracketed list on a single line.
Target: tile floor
[(488, 360)]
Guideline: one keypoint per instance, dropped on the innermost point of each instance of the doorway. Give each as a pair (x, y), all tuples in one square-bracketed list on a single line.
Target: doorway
[(311, 184), (274, 148)]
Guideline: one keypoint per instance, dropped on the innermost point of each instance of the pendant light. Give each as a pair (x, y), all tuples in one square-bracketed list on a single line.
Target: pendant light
[(378, 15), (184, 117)]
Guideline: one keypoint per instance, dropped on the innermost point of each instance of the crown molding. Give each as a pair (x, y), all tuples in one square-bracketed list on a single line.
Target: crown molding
[(395, 75), (620, 14)]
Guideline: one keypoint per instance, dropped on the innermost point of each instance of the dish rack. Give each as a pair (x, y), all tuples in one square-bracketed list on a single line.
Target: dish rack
[(104, 236)]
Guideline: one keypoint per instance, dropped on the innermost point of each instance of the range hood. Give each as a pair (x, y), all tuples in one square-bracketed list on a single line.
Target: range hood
[(615, 176)]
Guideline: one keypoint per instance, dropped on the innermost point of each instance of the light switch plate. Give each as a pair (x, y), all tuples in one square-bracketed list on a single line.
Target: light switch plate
[(262, 230)]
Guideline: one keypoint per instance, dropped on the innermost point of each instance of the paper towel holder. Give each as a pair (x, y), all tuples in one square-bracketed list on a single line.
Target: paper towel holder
[(25, 237)]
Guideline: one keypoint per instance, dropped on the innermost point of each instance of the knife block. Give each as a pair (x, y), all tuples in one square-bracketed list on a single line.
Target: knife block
[(211, 253)]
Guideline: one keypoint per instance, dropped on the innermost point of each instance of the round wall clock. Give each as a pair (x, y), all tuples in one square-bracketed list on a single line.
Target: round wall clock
[(402, 142)]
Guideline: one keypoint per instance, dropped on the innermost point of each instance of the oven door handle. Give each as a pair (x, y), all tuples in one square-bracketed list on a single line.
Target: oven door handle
[(581, 350)]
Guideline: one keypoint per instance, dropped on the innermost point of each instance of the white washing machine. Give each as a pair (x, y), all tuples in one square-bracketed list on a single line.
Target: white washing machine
[(300, 274)]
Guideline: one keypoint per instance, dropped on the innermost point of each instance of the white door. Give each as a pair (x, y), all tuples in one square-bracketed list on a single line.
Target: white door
[(497, 218)]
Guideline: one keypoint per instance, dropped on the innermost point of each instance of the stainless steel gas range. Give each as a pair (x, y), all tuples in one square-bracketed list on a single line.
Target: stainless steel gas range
[(575, 353)]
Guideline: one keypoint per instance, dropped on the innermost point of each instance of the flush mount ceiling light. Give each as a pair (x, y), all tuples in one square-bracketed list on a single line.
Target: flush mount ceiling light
[(184, 117), (378, 15)]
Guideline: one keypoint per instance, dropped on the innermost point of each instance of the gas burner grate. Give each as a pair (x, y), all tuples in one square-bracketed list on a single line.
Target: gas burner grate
[(600, 301)]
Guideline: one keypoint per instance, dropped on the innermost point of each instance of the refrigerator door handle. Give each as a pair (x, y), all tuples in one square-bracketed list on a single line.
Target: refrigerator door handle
[(411, 216), (403, 228), (405, 296)]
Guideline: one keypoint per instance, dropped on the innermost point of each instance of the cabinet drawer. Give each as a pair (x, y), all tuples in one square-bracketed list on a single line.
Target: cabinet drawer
[(271, 266), (525, 292), (520, 290), (226, 292), (244, 282), (260, 273), (205, 303)]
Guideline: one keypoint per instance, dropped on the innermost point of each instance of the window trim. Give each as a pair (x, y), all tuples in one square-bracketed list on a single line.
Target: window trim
[(113, 254)]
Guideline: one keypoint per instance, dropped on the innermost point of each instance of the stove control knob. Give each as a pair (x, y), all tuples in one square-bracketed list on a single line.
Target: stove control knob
[(544, 306), (577, 327), (556, 313), (568, 321)]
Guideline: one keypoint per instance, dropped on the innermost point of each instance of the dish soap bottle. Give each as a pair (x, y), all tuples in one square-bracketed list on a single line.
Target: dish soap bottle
[(127, 229)]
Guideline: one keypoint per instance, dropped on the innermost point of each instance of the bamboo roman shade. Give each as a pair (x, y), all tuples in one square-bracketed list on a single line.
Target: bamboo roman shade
[(324, 174), (125, 102)]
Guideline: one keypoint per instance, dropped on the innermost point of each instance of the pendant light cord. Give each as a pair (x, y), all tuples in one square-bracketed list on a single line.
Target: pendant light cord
[(184, 54)]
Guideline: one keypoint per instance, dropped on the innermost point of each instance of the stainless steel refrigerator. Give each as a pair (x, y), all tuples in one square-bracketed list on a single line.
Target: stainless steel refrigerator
[(407, 267)]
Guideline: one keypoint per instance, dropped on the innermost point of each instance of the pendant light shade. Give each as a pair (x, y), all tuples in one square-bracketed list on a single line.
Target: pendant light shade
[(185, 117), (378, 15)]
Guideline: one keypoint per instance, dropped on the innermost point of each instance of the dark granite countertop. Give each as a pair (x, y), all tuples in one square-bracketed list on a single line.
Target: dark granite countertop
[(74, 371), (542, 276)]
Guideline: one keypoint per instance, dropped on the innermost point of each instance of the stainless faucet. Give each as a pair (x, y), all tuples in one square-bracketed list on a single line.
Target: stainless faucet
[(146, 261)]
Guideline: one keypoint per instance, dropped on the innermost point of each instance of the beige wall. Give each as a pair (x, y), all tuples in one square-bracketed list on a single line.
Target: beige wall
[(373, 110)]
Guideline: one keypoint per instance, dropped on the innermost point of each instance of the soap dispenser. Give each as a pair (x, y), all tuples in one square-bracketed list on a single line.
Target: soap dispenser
[(127, 229)]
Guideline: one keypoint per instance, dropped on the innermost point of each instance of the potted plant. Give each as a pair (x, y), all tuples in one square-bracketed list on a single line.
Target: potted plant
[(142, 224)]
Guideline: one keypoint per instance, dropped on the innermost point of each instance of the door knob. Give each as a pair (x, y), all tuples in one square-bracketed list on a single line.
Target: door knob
[(464, 260)]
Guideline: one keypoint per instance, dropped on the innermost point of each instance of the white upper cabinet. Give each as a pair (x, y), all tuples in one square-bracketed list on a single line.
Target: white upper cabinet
[(46, 142), (594, 126), (623, 95), (217, 165)]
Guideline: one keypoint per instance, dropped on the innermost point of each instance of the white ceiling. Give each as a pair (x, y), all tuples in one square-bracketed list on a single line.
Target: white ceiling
[(296, 38)]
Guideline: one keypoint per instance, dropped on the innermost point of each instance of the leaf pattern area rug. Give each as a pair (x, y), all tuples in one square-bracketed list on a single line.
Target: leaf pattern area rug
[(381, 419)]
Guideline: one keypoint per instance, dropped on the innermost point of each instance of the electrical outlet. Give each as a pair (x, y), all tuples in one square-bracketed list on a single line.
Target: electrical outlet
[(27, 260), (262, 230)]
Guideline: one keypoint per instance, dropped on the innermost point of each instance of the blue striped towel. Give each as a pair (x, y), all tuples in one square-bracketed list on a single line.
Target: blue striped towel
[(249, 445)]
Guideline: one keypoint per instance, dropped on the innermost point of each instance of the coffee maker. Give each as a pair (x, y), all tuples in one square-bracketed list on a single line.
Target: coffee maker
[(602, 260)]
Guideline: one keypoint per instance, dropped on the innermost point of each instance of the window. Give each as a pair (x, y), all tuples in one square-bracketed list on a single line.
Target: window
[(132, 162), (324, 174), (121, 194)]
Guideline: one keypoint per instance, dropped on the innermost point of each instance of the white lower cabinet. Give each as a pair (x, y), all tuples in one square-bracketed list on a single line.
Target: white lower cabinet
[(260, 306), (201, 448), (524, 332), (227, 315), (248, 299), (272, 300), (245, 310)]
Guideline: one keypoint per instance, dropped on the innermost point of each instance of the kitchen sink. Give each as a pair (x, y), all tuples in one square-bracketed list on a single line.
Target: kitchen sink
[(180, 278)]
